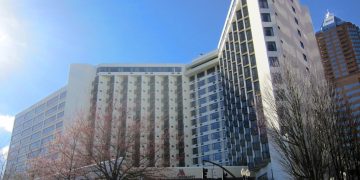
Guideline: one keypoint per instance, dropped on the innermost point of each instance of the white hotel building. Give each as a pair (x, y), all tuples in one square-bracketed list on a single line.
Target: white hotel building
[(206, 107)]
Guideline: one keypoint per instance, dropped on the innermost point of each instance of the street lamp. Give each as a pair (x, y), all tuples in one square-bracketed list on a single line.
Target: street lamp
[(245, 173)]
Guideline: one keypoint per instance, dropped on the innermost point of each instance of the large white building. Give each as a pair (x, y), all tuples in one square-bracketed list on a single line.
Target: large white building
[(152, 99), (151, 95), (259, 36), (206, 107)]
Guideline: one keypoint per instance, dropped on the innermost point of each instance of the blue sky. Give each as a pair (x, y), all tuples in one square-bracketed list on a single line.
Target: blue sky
[(40, 38)]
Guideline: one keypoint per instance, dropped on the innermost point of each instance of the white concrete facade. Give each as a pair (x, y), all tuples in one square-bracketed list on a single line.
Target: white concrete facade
[(152, 98), (258, 37)]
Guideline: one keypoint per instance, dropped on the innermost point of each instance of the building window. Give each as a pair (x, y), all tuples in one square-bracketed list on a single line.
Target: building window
[(299, 32), (243, 48), (240, 25), (263, 4), (202, 101), (276, 77), (201, 92), (60, 115), (247, 72), (192, 78), (203, 129), (252, 60), (195, 150), (213, 97), (251, 47), (50, 120), (217, 156), (193, 131), (243, 2), (50, 111), (239, 14), (59, 125), (61, 105), (248, 35), (63, 95), (247, 23), (204, 138), (265, 17), (305, 57), (216, 146), (195, 161), (302, 44), (274, 62), (200, 75), (215, 125), (211, 70), (202, 110), (207, 157), (296, 20), (256, 86), (214, 115), (192, 87), (245, 11), (203, 119), (205, 148), (254, 73), (213, 106), (212, 88), (194, 141), (268, 31), (201, 83), (52, 101), (271, 46), (215, 135), (48, 130)]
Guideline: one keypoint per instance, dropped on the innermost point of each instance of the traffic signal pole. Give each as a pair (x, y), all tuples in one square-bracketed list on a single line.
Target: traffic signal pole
[(218, 165)]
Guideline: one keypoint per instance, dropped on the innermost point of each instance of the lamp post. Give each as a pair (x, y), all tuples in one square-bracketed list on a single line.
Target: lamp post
[(245, 173)]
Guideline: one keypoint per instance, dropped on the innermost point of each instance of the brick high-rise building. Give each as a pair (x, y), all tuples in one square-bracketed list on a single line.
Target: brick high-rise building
[(339, 43)]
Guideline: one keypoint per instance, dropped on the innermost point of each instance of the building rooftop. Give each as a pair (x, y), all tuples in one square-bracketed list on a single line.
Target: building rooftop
[(331, 21)]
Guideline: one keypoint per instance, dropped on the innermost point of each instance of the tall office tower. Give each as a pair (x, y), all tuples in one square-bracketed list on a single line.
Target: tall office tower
[(33, 128), (258, 37), (339, 44), (206, 110), (151, 98)]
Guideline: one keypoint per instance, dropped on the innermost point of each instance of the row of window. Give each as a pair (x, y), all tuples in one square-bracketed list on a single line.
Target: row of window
[(214, 157), (268, 31), (208, 147), (139, 69)]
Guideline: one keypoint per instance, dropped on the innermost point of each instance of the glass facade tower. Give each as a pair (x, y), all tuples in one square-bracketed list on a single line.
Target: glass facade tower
[(339, 43)]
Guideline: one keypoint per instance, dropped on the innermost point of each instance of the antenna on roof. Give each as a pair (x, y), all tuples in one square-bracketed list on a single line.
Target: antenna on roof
[(328, 13)]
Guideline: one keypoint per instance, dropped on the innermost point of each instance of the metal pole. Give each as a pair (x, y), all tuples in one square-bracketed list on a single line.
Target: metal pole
[(218, 165)]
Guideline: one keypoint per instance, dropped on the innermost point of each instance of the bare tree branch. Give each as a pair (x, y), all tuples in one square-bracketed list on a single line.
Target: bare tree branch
[(314, 134)]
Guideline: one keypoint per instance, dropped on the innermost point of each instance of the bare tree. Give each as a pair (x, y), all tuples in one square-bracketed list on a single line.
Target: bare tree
[(120, 150), (61, 158), (107, 147), (313, 134)]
